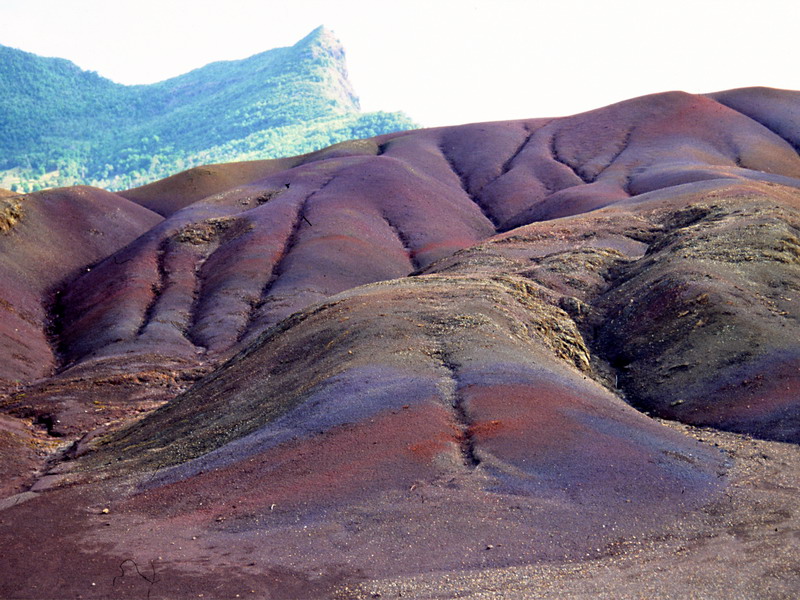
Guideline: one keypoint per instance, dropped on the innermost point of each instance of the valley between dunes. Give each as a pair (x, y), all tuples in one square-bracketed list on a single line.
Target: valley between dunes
[(547, 358)]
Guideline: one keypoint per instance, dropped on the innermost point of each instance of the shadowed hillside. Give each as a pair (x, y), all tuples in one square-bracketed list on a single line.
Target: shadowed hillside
[(537, 352)]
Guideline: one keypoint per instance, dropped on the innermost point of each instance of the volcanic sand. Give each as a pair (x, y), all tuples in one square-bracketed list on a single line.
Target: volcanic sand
[(431, 364)]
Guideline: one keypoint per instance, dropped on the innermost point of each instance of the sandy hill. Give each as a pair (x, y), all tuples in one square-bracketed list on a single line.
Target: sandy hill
[(540, 358)]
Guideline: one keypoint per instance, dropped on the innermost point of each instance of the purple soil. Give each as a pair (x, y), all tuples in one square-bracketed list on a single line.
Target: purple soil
[(361, 422), (171, 194), (60, 233), (510, 429)]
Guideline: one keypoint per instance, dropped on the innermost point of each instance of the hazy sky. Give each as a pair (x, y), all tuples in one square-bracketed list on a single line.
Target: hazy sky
[(441, 61)]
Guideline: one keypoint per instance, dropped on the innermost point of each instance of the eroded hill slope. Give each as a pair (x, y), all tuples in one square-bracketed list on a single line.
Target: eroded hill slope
[(435, 350)]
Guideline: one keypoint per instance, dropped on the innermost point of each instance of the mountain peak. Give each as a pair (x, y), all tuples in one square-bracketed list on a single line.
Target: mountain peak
[(318, 33), (322, 38)]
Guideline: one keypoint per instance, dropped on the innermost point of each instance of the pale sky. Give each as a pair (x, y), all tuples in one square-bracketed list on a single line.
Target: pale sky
[(441, 61)]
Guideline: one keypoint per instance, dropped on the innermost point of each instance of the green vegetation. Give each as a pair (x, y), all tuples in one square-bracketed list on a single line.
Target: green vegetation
[(10, 214), (60, 125)]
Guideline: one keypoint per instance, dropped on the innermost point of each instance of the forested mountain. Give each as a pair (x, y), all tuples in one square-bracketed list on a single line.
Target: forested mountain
[(62, 125)]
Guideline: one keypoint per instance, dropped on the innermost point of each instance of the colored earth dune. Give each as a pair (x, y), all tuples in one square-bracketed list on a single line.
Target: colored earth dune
[(473, 349)]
